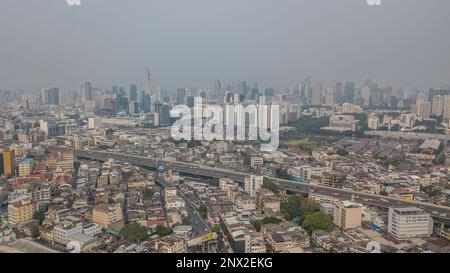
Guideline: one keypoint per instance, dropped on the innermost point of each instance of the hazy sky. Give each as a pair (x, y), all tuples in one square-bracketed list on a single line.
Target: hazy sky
[(190, 43)]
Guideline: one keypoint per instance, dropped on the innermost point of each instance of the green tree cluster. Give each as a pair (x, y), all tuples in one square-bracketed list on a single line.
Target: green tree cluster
[(342, 152), (267, 220), (35, 233), (185, 220), (317, 221), (298, 207), (203, 211), (216, 228), (148, 192), (283, 174), (39, 215), (270, 185), (163, 231), (134, 232)]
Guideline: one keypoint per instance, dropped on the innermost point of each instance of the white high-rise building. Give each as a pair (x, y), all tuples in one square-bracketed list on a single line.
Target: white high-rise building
[(407, 120), (86, 92), (373, 122), (438, 105), (446, 109), (253, 183), (409, 222), (94, 123), (148, 82), (348, 108), (423, 110)]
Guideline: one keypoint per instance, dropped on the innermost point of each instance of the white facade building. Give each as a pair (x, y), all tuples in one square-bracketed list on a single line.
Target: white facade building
[(409, 222), (252, 184)]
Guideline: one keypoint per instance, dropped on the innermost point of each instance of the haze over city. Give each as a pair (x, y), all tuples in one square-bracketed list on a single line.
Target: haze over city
[(207, 128), (191, 43)]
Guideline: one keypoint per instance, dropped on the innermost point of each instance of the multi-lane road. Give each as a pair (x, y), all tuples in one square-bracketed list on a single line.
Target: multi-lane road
[(440, 213), (198, 224)]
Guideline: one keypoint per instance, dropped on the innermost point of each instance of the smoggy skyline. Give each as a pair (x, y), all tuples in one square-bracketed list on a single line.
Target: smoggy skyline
[(191, 43)]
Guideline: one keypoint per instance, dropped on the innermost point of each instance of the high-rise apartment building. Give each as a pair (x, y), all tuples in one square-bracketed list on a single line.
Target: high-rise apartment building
[(423, 110), (20, 209), (25, 167), (446, 108), (409, 222), (437, 105), (9, 165), (253, 183), (106, 214), (347, 215)]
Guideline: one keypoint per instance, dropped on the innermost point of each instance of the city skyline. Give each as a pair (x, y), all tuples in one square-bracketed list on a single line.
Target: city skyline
[(198, 42)]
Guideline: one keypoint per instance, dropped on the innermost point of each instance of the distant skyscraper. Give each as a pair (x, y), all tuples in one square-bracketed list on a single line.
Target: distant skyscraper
[(133, 107), (242, 88), (437, 105), (365, 95), (423, 110), (387, 95), (438, 92), (148, 82), (217, 88), (51, 96), (317, 95), (147, 94), (330, 96), (133, 94), (181, 96), (190, 100), (299, 98), (349, 92), (164, 115), (269, 92), (254, 94), (86, 92), (307, 90), (339, 93), (230, 99), (144, 102), (446, 109)]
